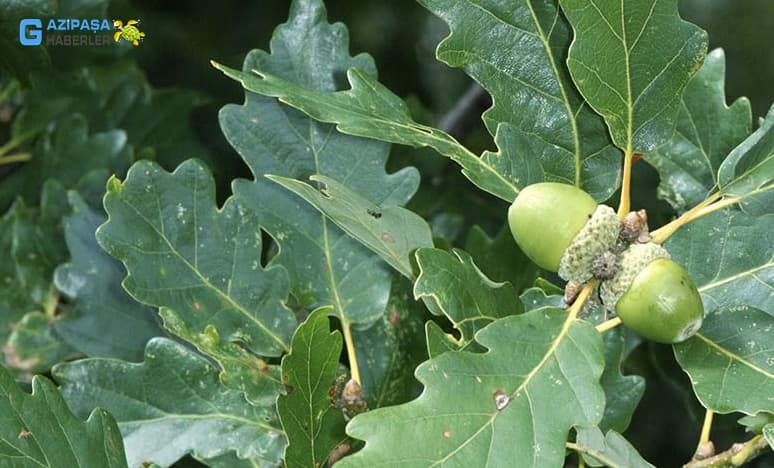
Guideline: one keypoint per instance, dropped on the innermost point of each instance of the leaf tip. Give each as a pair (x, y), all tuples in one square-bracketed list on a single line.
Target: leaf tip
[(114, 185)]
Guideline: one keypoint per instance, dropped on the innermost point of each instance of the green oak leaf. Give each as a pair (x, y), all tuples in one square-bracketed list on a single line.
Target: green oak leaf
[(622, 392), (311, 423), (768, 433), (14, 301), (707, 130), (517, 401), (542, 126), (610, 449), (102, 320), (500, 259), (536, 298), (462, 292), (392, 347), (748, 172), (171, 404), (393, 232), (40, 430), (370, 110), (33, 347), (731, 360), (326, 267), (730, 257), (62, 155), (650, 55), (200, 263)]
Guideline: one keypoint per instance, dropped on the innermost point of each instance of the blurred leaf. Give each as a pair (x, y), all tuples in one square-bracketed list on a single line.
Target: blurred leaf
[(730, 257), (311, 423), (731, 360), (32, 347), (611, 450), (757, 422), (636, 84), (707, 130), (462, 292), (477, 409), (392, 232), (103, 320), (171, 404), (39, 430), (748, 172), (500, 259), (63, 155), (326, 267), (201, 263), (542, 126), (16, 59)]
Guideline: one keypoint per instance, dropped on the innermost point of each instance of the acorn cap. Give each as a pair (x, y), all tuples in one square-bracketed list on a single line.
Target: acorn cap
[(633, 261), (597, 236)]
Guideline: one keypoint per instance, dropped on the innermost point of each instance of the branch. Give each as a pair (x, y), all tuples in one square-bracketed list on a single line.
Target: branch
[(466, 113), (737, 455)]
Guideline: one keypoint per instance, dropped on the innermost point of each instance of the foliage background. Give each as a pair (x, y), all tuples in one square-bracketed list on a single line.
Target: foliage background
[(182, 37)]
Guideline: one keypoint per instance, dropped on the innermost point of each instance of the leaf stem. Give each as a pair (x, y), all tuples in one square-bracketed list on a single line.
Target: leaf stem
[(702, 209), (706, 427), (351, 354), (625, 204), (734, 456), (609, 324), (14, 158)]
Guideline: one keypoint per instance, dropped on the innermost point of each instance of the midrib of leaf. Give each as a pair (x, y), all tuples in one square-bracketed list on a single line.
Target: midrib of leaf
[(750, 272), (565, 101), (203, 279), (733, 357), (522, 387), (749, 170)]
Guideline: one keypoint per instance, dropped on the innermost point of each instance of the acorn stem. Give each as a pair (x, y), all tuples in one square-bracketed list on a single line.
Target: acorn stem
[(582, 297), (608, 324), (350, 345)]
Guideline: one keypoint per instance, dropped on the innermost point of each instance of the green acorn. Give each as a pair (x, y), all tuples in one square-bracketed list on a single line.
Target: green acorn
[(561, 228), (653, 295)]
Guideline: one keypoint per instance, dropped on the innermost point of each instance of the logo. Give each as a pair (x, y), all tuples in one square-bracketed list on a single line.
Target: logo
[(30, 31), (77, 32), (129, 33)]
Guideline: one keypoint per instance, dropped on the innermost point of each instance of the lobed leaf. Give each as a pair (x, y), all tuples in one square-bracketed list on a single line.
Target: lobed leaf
[(39, 429), (462, 292), (517, 401), (543, 128), (637, 83), (311, 423), (172, 404), (731, 360), (730, 258), (748, 172), (707, 130), (201, 263)]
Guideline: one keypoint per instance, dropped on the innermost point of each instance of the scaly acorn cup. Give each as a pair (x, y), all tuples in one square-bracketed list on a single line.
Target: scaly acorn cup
[(561, 228), (653, 295)]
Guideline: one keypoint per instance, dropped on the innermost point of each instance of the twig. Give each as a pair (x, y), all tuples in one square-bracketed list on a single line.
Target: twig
[(466, 112), (735, 456), (14, 158)]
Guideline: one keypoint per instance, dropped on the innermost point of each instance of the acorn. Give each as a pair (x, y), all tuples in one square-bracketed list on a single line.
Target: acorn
[(561, 228), (653, 295)]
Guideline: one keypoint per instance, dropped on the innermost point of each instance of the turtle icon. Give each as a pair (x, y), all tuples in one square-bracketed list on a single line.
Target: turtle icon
[(129, 33)]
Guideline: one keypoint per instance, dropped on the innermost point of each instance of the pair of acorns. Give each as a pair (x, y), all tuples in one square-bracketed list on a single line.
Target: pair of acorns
[(562, 229)]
